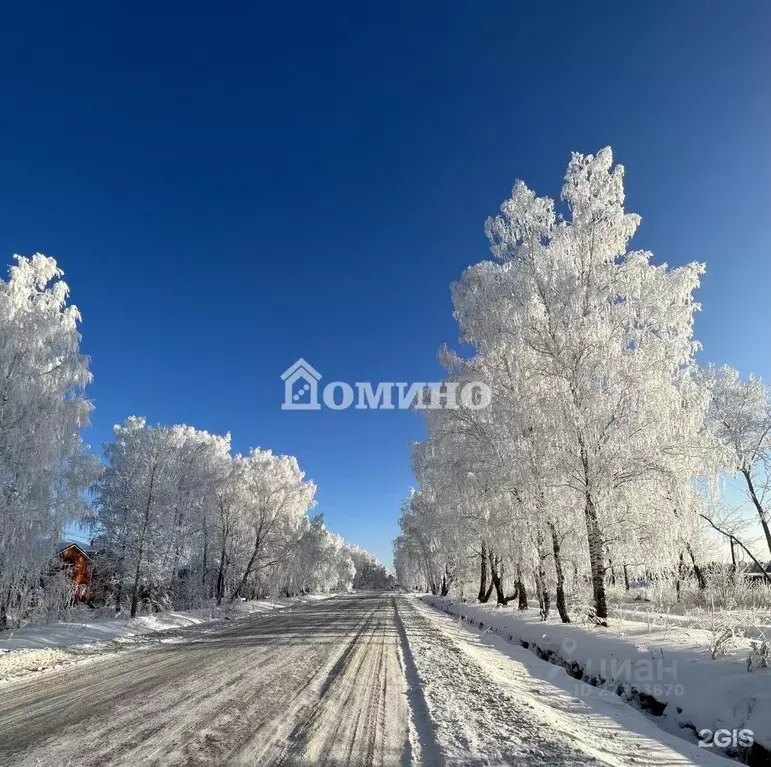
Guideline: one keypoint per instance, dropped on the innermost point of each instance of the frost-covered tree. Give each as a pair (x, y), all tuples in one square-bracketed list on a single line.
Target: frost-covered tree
[(273, 501), (587, 347), (740, 418), (155, 502), (180, 520), (370, 573), (43, 467), (608, 332), (319, 563)]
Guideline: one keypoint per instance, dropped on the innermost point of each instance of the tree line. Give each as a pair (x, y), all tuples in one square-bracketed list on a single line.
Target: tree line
[(177, 519), (603, 451)]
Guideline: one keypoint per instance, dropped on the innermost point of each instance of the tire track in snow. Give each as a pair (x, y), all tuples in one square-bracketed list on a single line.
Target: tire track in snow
[(360, 714), (191, 703), (474, 721), (424, 746)]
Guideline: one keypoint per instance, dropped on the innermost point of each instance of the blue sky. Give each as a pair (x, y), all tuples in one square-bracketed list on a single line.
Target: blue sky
[(230, 188)]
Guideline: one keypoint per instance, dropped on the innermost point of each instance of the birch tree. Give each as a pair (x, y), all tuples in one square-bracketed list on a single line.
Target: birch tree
[(43, 464), (587, 347), (274, 498)]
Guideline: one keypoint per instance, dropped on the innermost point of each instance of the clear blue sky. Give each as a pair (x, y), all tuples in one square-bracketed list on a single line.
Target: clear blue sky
[(231, 187)]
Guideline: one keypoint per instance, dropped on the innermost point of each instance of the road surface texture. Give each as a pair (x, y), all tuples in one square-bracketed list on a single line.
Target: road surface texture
[(375, 679)]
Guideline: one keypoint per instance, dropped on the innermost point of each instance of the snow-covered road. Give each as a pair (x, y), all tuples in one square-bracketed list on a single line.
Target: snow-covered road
[(356, 680)]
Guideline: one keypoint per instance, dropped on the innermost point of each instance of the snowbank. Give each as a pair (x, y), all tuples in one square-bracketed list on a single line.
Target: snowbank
[(48, 647), (80, 632), (668, 671)]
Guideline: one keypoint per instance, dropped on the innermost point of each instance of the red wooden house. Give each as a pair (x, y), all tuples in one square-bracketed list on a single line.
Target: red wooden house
[(76, 558)]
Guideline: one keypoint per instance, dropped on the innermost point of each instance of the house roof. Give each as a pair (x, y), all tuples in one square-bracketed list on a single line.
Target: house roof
[(86, 551)]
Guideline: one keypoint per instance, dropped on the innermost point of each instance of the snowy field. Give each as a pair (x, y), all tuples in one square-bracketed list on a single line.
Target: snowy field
[(663, 668), (365, 679)]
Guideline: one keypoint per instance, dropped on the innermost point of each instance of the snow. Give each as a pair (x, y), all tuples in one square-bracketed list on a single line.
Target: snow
[(602, 729), (34, 649), (746, 622), (375, 678), (321, 684), (675, 667)]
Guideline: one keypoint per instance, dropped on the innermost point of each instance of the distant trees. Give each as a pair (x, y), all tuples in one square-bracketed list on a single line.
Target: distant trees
[(181, 521), (586, 462), (321, 562), (369, 572)]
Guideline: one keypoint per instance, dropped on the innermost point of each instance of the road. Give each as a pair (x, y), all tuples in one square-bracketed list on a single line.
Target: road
[(355, 680)]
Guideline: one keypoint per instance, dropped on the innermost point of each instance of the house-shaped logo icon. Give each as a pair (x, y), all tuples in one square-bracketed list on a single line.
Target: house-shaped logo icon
[(305, 395)]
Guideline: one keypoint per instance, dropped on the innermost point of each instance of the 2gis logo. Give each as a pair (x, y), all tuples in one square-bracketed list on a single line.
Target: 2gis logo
[(726, 738)]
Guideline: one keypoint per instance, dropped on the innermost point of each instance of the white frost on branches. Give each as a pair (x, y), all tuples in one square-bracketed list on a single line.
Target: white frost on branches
[(43, 467), (601, 428), (178, 520)]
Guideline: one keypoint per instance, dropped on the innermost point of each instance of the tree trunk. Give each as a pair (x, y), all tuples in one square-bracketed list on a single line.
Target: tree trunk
[(556, 549), (221, 575), (612, 571), (484, 594), (447, 580), (734, 568), (596, 560), (225, 530), (544, 601), (178, 517), (121, 576), (758, 507), (4, 611), (697, 571), (541, 592), (135, 590), (593, 536), (145, 525), (521, 591), (248, 571), (205, 563), (626, 578), (594, 539), (497, 576)]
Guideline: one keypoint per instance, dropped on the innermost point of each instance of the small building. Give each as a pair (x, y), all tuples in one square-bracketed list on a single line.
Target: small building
[(753, 572), (77, 559)]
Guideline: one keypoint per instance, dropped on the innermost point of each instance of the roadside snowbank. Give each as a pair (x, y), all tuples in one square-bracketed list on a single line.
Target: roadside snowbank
[(35, 649), (603, 727), (667, 671), (96, 630)]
